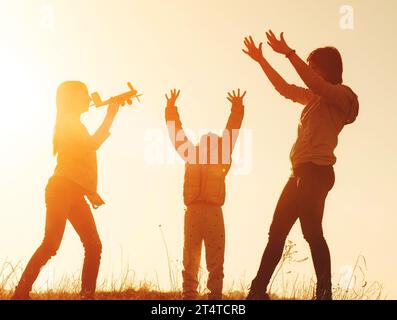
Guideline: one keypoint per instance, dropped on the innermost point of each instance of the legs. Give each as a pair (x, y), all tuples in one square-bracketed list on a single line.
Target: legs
[(193, 238), (214, 240), (47, 249), (314, 187), (303, 197), (284, 218), (64, 203), (83, 222), (55, 226), (203, 223)]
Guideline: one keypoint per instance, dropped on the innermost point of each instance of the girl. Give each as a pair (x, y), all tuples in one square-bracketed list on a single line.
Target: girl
[(75, 178)]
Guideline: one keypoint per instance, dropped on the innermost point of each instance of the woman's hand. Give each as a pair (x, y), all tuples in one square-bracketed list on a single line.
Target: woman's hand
[(252, 50), (236, 99), (279, 46), (172, 99)]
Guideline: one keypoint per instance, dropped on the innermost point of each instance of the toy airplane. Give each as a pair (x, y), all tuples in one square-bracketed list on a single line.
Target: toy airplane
[(122, 99)]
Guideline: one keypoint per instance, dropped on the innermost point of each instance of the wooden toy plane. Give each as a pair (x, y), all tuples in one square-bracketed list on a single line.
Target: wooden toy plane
[(122, 99)]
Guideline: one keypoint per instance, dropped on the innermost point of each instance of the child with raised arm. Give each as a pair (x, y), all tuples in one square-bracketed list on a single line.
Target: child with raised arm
[(74, 178), (206, 167), (329, 106)]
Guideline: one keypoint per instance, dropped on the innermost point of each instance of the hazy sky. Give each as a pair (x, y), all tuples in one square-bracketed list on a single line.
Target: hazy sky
[(194, 46)]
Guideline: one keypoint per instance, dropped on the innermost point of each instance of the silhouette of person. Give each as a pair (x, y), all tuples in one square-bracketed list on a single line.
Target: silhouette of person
[(329, 106), (74, 178), (206, 167)]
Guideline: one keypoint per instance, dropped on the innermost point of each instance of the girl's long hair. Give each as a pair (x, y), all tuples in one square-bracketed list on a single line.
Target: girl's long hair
[(65, 105)]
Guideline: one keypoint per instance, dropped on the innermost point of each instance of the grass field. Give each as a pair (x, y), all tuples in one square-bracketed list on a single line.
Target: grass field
[(282, 287)]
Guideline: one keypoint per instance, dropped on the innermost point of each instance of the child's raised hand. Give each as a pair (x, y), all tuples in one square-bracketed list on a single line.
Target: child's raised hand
[(174, 94), (236, 98)]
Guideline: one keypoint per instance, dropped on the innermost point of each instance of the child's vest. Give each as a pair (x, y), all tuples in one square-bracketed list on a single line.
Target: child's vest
[(205, 183)]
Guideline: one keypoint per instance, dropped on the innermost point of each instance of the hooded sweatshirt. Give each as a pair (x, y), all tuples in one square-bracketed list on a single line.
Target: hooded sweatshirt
[(328, 108)]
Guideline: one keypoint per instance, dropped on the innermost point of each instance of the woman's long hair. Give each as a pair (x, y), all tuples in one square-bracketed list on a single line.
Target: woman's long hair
[(66, 104)]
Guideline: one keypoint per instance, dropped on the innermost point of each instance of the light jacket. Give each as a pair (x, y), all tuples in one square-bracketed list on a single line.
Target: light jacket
[(205, 169)]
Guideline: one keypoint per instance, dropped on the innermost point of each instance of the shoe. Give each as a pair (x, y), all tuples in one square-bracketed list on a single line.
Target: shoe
[(87, 296), (21, 291), (214, 296), (323, 295), (253, 295), (20, 296), (190, 295), (257, 291)]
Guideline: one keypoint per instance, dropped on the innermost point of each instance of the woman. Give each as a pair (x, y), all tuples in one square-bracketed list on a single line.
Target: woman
[(75, 178), (329, 106)]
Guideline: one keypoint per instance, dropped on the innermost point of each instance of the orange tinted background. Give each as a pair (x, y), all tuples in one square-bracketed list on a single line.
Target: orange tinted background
[(194, 46)]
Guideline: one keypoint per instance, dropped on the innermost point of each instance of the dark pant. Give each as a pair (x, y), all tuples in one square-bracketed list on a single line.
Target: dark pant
[(65, 201), (303, 198)]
